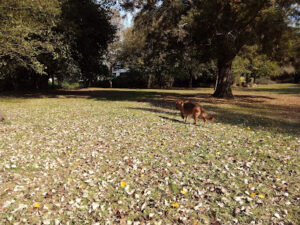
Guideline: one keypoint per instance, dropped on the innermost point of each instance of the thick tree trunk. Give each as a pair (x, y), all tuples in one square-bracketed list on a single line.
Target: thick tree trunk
[(224, 80), (110, 84), (149, 83)]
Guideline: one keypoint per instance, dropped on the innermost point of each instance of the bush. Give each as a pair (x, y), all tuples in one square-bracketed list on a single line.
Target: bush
[(71, 85), (264, 80)]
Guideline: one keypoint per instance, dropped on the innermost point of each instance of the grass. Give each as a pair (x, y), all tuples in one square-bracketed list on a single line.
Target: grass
[(69, 151), (290, 89)]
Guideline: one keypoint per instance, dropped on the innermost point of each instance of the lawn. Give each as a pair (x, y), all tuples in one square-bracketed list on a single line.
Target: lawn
[(121, 156)]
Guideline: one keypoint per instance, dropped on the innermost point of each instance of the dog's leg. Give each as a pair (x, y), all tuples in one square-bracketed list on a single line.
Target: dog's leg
[(186, 118), (182, 116), (204, 120), (195, 116)]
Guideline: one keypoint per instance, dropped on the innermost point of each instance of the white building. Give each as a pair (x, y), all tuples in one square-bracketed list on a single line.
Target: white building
[(118, 72)]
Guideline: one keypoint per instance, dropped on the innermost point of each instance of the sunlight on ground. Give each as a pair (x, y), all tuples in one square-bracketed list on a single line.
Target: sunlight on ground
[(122, 156)]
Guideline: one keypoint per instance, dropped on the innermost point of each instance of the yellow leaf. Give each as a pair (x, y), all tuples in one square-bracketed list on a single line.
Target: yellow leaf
[(70, 179), (195, 223), (261, 196), (123, 184), (36, 205), (183, 192), (175, 204), (252, 194)]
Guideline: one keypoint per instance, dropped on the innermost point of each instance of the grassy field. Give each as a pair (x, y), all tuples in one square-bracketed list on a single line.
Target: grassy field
[(120, 156)]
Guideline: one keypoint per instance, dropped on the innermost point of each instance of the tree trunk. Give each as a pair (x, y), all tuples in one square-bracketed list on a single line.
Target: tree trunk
[(149, 83), (296, 78), (224, 81), (15, 84), (191, 79), (160, 78), (52, 77), (111, 76), (90, 82), (35, 81)]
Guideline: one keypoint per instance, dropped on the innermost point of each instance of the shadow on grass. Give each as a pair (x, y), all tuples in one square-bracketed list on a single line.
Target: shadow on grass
[(293, 90), (172, 120), (254, 121), (166, 99), (110, 95), (154, 110), (231, 117), (129, 95)]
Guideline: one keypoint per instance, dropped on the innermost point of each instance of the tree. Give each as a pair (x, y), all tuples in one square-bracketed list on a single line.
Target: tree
[(251, 63), (229, 25), (111, 56), (89, 30), (26, 31), (222, 27), (154, 42)]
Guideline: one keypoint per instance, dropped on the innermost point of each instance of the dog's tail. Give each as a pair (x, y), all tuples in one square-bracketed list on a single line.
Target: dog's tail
[(211, 118)]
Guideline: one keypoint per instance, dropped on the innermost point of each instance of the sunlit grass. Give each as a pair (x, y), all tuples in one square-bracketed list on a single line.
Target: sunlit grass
[(125, 156)]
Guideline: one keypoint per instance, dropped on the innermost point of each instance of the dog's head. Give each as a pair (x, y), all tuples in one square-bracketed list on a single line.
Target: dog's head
[(179, 104)]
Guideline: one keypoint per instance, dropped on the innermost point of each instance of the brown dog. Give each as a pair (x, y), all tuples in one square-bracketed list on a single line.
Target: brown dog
[(189, 108)]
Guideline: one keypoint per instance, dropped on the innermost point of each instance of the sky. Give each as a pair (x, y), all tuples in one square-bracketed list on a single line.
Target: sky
[(127, 20)]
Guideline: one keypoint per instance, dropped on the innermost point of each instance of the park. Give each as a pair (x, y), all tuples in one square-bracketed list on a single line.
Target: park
[(90, 132)]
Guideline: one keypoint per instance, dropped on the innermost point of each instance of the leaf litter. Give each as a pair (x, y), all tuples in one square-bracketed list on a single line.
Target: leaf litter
[(83, 161)]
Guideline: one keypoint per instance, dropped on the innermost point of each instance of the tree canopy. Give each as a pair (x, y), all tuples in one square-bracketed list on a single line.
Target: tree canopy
[(43, 38), (170, 39), (218, 29)]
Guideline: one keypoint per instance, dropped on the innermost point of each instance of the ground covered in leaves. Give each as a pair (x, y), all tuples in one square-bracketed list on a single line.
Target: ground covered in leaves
[(103, 156)]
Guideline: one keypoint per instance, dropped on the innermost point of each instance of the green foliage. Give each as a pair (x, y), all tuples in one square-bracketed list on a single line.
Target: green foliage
[(26, 32), (250, 63), (217, 29), (54, 38), (88, 28), (70, 85)]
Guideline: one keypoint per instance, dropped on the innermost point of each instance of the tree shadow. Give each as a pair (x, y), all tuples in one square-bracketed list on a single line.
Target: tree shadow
[(290, 91), (256, 121), (162, 100)]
